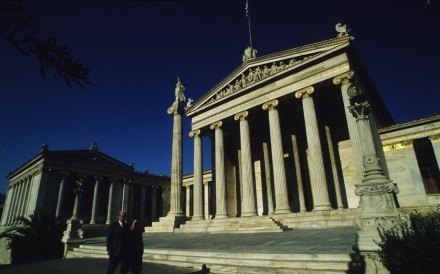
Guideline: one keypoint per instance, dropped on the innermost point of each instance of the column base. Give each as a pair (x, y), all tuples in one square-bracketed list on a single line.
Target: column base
[(197, 218), (248, 214), (221, 216), (282, 211), (322, 207)]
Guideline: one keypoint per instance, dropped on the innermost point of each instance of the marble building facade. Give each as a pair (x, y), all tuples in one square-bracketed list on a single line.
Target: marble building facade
[(51, 179), (284, 141)]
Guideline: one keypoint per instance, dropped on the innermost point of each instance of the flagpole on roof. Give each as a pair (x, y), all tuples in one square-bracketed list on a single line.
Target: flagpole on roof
[(248, 15)]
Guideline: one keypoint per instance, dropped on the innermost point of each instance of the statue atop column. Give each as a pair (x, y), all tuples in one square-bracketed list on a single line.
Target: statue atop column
[(179, 101)]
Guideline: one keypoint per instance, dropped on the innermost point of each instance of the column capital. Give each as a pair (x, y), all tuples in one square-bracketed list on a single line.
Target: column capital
[(343, 78), (64, 173), (435, 138), (97, 177), (360, 111), (241, 116), (194, 133), (305, 91), (216, 125), (270, 105)]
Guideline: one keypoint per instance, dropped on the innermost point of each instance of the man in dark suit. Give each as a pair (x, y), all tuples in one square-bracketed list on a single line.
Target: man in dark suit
[(118, 236)]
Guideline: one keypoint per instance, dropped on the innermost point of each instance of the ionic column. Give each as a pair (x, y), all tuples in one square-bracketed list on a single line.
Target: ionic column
[(154, 203), (18, 201), (321, 199), (435, 141), (143, 193), (188, 201), (270, 206), (176, 161), (207, 199), (78, 191), (6, 207), (334, 168), (110, 200), (198, 176), (14, 188), (95, 200), (249, 205), (220, 181), (356, 146), (125, 193), (302, 199), (61, 193), (20, 210), (279, 172)]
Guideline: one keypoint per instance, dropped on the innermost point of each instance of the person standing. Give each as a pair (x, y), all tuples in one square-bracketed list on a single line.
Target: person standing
[(118, 237), (136, 248)]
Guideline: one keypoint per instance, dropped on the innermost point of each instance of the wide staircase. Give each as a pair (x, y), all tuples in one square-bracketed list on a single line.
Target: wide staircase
[(233, 262), (312, 242)]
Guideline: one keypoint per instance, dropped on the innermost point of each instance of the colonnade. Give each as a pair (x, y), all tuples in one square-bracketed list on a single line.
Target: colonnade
[(35, 190), (315, 160)]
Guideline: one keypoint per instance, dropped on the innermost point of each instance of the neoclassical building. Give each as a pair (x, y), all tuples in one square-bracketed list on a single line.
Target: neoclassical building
[(52, 179), (285, 143)]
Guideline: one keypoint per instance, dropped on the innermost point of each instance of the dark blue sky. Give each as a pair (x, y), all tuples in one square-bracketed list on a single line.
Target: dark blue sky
[(136, 49)]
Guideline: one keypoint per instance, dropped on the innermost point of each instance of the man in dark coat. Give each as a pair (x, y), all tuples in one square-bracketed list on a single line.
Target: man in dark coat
[(136, 247), (118, 236)]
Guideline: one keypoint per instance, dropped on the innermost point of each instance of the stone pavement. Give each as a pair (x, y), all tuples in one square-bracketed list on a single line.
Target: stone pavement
[(297, 241)]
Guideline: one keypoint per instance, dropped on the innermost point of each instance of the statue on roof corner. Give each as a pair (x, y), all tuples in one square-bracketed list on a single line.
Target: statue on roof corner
[(342, 30), (249, 53)]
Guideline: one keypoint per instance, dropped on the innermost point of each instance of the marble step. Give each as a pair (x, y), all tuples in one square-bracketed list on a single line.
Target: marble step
[(225, 262)]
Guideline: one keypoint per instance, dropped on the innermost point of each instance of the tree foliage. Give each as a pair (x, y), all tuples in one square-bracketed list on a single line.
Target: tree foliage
[(412, 246), (36, 237), (18, 29)]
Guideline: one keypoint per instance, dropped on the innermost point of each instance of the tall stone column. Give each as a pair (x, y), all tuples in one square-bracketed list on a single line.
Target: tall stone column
[(154, 203), (110, 200), (376, 191), (279, 172), (20, 210), (13, 206), (143, 207), (61, 194), (207, 199), (344, 80), (6, 207), (73, 235), (176, 110), (435, 141), (318, 181), (188, 201), (220, 176), (95, 201), (198, 176), (334, 168), (249, 204), (302, 199), (125, 195), (18, 201), (268, 177), (78, 193)]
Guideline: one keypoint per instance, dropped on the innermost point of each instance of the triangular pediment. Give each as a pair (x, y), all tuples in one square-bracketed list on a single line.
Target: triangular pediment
[(258, 70), (88, 157)]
